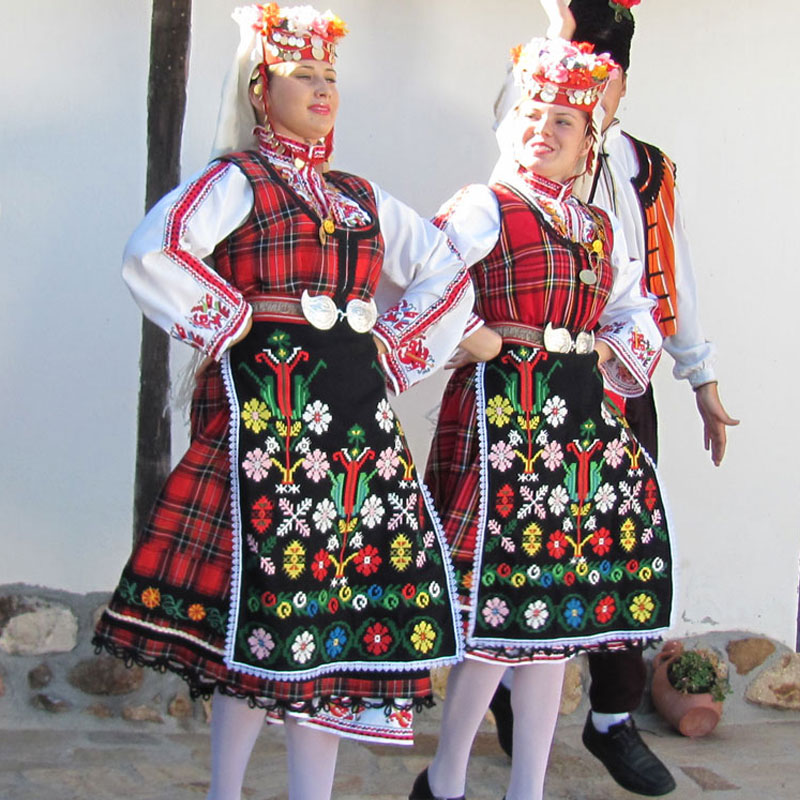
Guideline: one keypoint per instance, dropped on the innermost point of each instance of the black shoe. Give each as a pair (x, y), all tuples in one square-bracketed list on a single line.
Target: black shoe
[(504, 718), (629, 761), (421, 790)]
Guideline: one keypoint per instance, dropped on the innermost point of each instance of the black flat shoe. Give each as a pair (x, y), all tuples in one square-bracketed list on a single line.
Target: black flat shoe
[(629, 761), (504, 718), (421, 790)]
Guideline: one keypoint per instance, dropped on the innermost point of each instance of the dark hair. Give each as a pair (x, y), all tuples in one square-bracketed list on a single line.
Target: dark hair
[(599, 24)]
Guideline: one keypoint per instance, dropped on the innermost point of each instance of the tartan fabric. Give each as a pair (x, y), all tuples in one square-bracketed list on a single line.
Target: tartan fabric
[(529, 276), (170, 608), (290, 259)]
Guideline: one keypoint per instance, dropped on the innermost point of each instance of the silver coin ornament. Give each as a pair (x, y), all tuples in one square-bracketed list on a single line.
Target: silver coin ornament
[(588, 277), (361, 315), (319, 310), (584, 343)]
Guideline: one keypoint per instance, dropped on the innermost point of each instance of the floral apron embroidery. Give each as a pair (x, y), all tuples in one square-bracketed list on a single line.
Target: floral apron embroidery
[(338, 558), (573, 546)]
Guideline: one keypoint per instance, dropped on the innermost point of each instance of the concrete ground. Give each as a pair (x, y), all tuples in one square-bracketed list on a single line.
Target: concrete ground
[(110, 759)]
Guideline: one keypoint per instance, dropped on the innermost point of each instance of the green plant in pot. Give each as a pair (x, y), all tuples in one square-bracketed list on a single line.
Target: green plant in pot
[(688, 688)]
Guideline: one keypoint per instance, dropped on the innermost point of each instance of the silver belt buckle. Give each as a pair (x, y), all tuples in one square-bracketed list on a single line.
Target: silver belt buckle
[(319, 310), (559, 340), (361, 315)]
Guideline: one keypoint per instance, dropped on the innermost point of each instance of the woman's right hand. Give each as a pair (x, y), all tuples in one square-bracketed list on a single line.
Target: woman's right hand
[(483, 345)]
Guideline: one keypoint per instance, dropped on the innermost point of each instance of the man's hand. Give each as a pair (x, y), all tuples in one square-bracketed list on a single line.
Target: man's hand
[(562, 21), (715, 420)]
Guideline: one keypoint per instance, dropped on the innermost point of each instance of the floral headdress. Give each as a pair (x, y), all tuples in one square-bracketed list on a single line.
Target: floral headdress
[(270, 34), (293, 33), (562, 72)]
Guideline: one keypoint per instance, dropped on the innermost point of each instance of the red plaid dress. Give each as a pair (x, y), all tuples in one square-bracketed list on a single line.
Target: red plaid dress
[(170, 610), (529, 278)]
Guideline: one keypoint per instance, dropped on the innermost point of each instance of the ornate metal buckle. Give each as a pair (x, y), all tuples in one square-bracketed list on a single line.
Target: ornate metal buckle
[(320, 310), (559, 340), (361, 315)]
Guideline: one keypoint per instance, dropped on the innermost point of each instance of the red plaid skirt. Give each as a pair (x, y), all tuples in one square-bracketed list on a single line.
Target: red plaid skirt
[(170, 608)]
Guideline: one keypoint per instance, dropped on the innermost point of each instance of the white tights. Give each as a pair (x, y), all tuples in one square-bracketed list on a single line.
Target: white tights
[(235, 726), (535, 698)]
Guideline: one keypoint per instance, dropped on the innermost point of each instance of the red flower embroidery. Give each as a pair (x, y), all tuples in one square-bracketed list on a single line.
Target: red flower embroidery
[(503, 570), (333, 605), (505, 501), (605, 609), (261, 512), (367, 560), (601, 541), (320, 564), (632, 566), (377, 639), (409, 590), (569, 578), (557, 545)]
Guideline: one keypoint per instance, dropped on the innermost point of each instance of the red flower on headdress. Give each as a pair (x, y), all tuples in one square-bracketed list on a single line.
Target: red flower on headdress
[(337, 28), (515, 53), (270, 18)]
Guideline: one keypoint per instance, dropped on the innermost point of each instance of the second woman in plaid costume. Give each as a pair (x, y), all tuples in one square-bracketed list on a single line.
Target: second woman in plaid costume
[(552, 509)]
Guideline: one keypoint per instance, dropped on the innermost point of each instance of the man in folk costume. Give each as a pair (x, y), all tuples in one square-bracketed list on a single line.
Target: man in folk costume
[(636, 182)]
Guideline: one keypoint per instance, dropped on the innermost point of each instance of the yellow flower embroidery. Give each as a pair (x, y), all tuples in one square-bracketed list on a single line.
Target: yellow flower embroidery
[(518, 579), (645, 573), (532, 539), (196, 612), (345, 593), (499, 410), (642, 607), (423, 599), (294, 561), (255, 415), (423, 637), (151, 597)]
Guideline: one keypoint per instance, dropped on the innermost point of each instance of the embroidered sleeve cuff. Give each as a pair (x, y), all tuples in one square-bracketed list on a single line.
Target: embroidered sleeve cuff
[(629, 372), (473, 324), (223, 335)]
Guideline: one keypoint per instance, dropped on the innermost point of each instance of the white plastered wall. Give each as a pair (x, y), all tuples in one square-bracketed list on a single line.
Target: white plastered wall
[(711, 83)]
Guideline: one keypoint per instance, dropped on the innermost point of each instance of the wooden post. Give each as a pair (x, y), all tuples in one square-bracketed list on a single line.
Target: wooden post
[(166, 103)]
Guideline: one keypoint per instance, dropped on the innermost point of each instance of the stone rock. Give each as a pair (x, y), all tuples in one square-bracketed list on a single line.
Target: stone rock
[(51, 703), (100, 710), (180, 706), (141, 714), (439, 677), (747, 654), (105, 675), (778, 686), (97, 613), (40, 676), (31, 626), (572, 691)]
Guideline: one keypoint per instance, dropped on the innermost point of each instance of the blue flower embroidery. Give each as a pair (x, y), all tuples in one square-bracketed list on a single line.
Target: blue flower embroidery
[(375, 592), (573, 613), (336, 641)]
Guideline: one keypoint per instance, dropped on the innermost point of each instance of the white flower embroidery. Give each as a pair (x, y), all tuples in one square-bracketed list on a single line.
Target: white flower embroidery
[(372, 511), (605, 497), (256, 464), (317, 416), (316, 465), (299, 600), (555, 410), (553, 456), (405, 511), (536, 614), (294, 517), (558, 500), (614, 453), (501, 456), (385, 416), (387, 463), (303, 647), (324, 515)]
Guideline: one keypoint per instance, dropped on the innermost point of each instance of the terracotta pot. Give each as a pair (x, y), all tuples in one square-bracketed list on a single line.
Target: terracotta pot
[(691, 714)]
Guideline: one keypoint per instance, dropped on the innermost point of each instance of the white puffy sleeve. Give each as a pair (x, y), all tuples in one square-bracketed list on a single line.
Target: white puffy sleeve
[(693, 353), (627, 325), (424, 325), (163, 263)]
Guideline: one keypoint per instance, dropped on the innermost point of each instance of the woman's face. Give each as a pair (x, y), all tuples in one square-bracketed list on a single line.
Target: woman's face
[(302, 99), (551, 140)]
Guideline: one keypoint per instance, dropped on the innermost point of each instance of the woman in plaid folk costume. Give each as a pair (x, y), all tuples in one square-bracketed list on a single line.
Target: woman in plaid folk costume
[(293, 565), (552, 510)]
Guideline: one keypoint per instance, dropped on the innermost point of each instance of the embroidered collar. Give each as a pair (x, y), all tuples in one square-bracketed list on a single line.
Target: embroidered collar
[(299, 164), (545, 187)]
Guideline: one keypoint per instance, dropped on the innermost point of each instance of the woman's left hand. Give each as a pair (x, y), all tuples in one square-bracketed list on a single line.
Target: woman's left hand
[(483, 345), (604, 352), (715, 420)]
